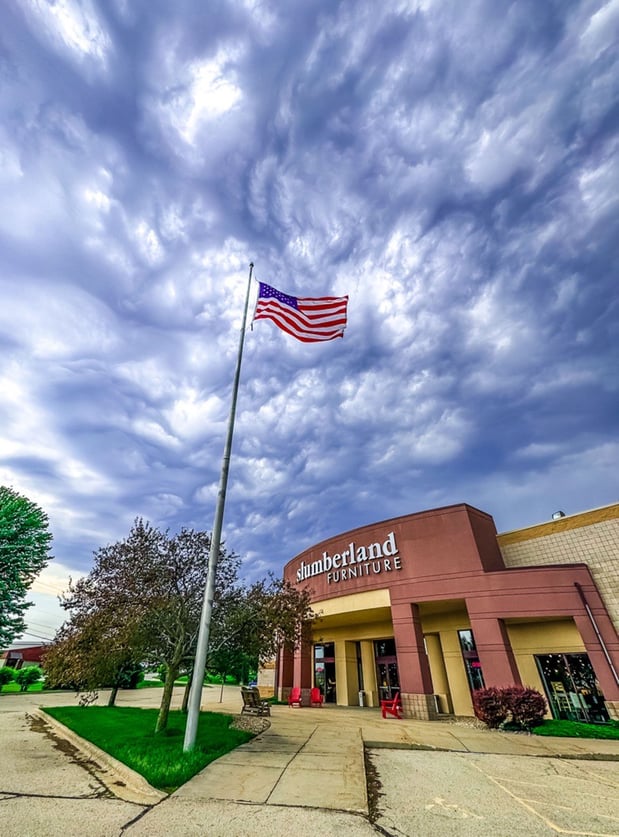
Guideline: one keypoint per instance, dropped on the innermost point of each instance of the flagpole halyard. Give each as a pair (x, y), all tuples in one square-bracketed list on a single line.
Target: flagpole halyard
[(197, 680)]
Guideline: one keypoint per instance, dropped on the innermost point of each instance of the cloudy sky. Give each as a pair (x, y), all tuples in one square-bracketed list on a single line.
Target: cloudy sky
[(450, 165)]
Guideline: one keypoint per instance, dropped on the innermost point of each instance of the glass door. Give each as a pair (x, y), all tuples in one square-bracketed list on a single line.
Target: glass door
[(386, 668), (324, 670)]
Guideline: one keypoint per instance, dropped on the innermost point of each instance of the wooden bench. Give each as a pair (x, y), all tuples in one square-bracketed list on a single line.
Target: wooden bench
[(253, 704)]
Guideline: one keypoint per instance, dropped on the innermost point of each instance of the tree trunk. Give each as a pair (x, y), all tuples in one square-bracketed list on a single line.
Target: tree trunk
[(166, 699), (112, 698), (186, 692), (221, 691)]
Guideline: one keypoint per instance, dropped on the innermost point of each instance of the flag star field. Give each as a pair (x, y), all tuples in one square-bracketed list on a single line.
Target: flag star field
[(446, 171)]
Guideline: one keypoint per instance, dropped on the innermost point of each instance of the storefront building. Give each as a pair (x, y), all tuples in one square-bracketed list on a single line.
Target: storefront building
[(434, 605)]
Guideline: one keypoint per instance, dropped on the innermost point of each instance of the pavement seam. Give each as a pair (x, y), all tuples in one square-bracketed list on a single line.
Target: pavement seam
[(287, 765), (28, 795), (403, 745)]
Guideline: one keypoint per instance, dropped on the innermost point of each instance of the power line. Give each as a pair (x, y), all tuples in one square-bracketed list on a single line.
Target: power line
[(56, 590), (41, 625), (38, 636)]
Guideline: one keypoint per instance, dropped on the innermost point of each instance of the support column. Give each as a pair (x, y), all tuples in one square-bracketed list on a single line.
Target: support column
[(303, 670), (352, 674), (602, 643), (439, 672), (368, 663), (416, 690), (498, 664), (285, 673), (603, 669)]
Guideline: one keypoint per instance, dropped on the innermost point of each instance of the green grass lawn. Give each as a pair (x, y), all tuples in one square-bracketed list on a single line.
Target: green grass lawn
[(155, 684), (128, 734), (15, 687), (577, 729)]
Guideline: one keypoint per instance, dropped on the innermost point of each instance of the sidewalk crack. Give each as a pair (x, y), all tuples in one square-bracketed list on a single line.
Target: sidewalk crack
[(287, 765)]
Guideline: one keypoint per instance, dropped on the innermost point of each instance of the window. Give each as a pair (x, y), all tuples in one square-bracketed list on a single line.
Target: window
[(471, 660), (571, 687)]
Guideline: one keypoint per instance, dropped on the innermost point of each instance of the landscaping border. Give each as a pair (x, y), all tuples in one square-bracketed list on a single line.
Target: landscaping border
[(119, 779)]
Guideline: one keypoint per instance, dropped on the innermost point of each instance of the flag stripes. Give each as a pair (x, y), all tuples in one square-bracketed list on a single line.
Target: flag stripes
[(309, 319)]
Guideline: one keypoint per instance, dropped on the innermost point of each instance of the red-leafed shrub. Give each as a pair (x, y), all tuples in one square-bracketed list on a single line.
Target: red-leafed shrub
[(490, 707), (527, 706), (493, 706)]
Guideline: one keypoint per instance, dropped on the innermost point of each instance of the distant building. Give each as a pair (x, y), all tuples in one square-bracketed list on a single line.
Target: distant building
[(22, 654), (435, 604)]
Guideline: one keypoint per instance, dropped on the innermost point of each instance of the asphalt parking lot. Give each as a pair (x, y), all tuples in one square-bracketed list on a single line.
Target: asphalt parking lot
[(470, 795)]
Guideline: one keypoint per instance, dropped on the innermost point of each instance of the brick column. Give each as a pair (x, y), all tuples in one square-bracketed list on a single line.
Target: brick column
[(303, 670), (285, 673), (413, 667), (498, 664)]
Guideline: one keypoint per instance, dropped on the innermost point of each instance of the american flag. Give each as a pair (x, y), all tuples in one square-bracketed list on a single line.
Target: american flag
[(310, 320)]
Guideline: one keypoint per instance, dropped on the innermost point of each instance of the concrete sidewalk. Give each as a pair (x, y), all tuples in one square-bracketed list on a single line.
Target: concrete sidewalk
[(307, 771), (309, 767)]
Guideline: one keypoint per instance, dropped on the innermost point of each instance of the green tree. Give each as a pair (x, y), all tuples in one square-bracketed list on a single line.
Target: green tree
[(171, 624), (6, 676), (25, 542), (141, 602), (27, 676), (256, 622), (90, 651)]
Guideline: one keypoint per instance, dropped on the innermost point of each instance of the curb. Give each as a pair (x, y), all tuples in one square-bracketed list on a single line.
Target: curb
[(119, 779), (551, 754)]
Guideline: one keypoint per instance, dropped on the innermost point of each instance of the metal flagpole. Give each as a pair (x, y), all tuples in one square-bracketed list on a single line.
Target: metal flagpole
[(197, 680)]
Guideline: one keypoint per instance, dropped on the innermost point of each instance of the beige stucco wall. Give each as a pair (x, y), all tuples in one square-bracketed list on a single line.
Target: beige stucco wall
[(266, 679), (530, 638), (590, 538), (445, 626)]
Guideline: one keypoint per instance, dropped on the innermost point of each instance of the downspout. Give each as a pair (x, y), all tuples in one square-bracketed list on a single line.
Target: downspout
[(597, 630)]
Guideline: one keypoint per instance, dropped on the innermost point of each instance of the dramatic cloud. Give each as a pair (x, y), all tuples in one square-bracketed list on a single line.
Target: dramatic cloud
[(452, 166)]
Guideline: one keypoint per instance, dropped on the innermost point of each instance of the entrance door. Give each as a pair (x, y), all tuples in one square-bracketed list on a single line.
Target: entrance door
[(386, 668), (571, 688), (324, 670)]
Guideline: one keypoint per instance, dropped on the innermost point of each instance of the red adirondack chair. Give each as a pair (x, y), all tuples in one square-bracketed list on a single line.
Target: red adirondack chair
[(392, 707), (316, 697), (294, 698)]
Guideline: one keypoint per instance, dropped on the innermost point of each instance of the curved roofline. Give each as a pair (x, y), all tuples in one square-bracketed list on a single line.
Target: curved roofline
[(387, 521)]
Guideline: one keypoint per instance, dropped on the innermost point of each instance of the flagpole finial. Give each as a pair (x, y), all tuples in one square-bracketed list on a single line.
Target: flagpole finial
[(251, 264)]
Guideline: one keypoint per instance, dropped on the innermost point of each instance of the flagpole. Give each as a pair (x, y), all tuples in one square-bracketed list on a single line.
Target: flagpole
[(197, 680)]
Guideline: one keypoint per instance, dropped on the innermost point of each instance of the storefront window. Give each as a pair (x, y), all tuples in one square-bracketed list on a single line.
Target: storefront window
[(471, 660), (384, 648), (571, 687)]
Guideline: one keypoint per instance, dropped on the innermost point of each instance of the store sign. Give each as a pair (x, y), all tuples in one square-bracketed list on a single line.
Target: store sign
[(354, 562)]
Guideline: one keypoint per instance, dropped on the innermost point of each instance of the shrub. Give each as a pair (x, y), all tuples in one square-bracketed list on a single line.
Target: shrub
[(490, 707), (6, 676), (26, 676), (527, 706), (493, 706)]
